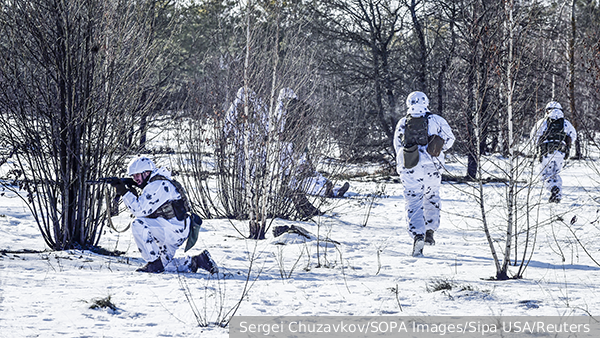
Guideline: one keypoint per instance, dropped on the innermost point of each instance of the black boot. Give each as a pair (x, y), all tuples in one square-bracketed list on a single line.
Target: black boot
[(418, 245), (343, 190), (329, 189), (304, 207), (152, 267), (429, 237), (204, 261), (554, 195)]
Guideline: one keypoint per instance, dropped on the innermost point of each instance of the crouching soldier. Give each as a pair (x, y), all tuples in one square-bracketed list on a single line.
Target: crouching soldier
[(163, 219), (553, 136), (419, 141)]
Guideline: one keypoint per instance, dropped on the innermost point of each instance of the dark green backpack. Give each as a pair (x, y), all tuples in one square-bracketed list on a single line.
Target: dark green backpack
[(195, 223)]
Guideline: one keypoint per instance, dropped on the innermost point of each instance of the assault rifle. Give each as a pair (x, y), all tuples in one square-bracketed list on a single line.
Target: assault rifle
[(113, 180), (128, 181), (113, 206)]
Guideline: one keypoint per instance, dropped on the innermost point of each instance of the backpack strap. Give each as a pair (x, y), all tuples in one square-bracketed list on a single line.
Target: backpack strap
[(178, 208)]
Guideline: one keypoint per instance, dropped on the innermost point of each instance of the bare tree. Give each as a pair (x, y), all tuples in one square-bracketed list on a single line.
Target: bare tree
[(422, 45), (71, 73), (518, 27), (363, 40), (479, 32), (572, 79), (269, 73), (501, 64)]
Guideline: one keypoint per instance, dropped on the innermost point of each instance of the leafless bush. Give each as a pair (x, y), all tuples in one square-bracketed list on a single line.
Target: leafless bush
[(75, 78), (259, 140)]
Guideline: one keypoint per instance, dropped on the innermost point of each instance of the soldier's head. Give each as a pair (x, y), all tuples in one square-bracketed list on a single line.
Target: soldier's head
[(140, 169), (554, 110), (417, 103)]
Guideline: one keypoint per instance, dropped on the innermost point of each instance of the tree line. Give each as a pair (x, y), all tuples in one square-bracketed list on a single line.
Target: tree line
[(83, 81), (365, 56)]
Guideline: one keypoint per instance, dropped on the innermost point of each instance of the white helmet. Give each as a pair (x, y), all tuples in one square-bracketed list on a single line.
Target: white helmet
[(140, 164), (554, 110), (553, 105), (417, 98), (286, 93)]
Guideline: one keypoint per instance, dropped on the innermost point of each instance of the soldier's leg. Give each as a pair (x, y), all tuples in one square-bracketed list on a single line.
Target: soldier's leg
[(145, 240), (432, 201), (551, 167), (173, 235), (159, 238), (412, 179)]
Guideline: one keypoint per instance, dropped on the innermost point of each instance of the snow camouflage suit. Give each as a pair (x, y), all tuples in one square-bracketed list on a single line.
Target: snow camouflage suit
[(247, 132), (158, 236), (422, 182), (552, 158)]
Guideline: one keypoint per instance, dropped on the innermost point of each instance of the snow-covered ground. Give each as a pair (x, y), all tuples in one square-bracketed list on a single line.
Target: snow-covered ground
[(370, 273)]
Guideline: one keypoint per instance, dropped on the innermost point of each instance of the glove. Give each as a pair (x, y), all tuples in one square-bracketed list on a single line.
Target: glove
[(120, 187)]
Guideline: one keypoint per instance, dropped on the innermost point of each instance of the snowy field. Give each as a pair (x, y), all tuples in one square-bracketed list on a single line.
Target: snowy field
[(370, 273)]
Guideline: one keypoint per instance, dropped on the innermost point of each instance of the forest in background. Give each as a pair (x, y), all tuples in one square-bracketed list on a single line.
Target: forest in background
[(356, 61), (82, 82)]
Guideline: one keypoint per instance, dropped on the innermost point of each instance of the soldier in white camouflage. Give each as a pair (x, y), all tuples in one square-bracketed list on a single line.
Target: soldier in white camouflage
[(420, 141), (552, 137), (163, 221)]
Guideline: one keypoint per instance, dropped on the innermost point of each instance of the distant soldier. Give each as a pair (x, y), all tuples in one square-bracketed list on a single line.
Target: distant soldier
[(163, 221), (295, 117), (420, 140), (553, 136)]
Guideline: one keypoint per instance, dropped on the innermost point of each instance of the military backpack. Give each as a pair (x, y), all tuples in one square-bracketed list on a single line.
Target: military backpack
[(554, 137)]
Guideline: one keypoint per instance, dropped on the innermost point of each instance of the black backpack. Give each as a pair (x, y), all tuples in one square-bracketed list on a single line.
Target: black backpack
[(554, 138), (416, 130), (416, 133)]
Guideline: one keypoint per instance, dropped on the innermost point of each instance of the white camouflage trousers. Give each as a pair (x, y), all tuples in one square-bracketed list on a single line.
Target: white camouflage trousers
[(550, 169), (158, 237), (422, 198)]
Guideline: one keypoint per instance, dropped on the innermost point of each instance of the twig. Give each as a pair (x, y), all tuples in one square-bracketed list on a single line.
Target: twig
[(397, 291)]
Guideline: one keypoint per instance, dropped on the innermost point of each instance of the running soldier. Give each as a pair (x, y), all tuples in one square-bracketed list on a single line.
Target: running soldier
[(420, 141), (553, 136)]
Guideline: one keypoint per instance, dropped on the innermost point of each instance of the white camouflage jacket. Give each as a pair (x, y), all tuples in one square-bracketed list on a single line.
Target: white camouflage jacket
[(152, 196)]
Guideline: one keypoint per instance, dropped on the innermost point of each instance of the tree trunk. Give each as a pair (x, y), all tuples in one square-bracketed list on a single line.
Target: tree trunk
[(510, 197), (422, 70), (572, 100)]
